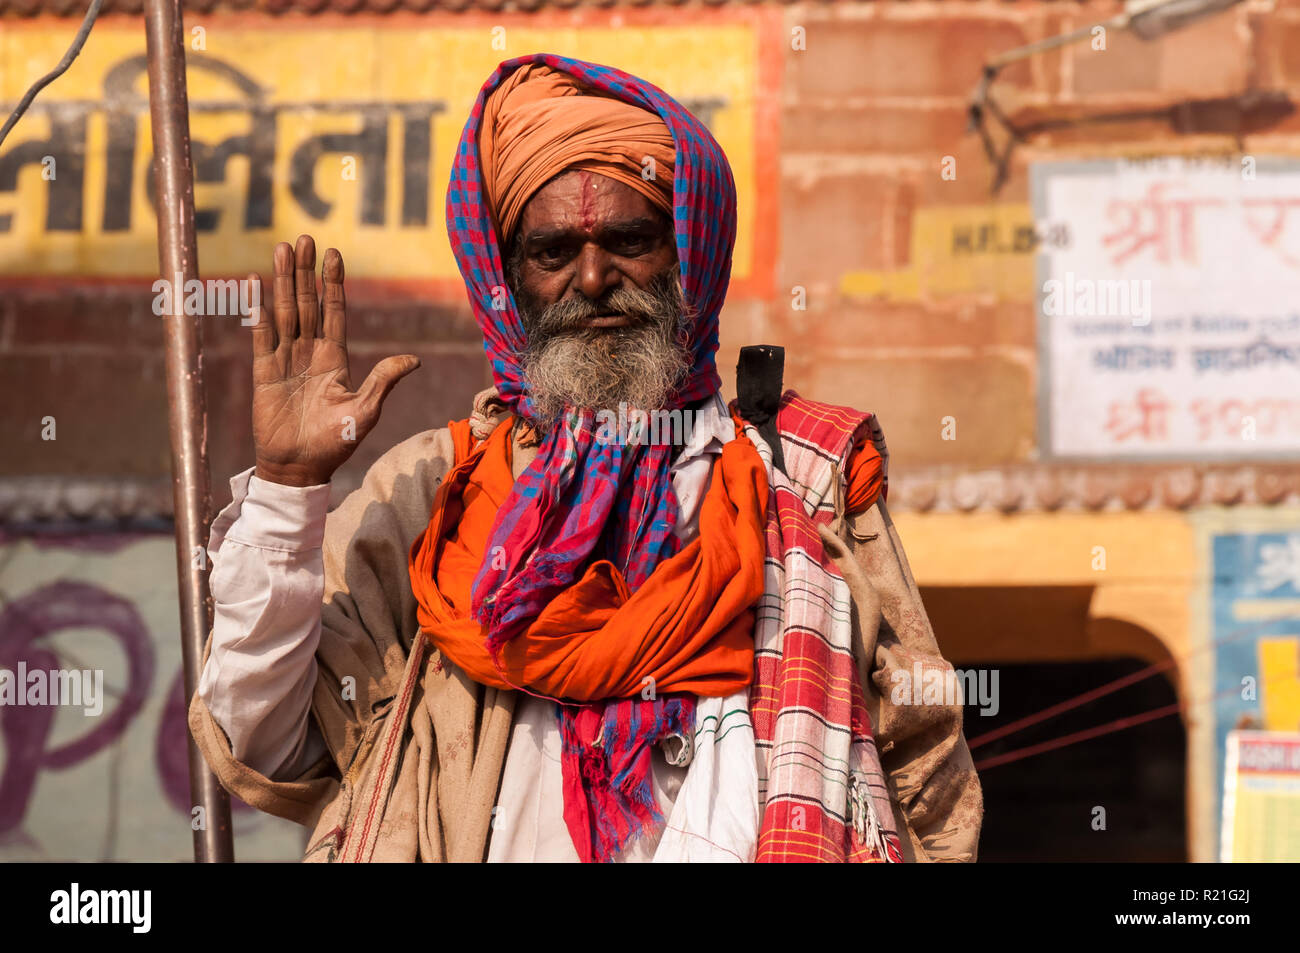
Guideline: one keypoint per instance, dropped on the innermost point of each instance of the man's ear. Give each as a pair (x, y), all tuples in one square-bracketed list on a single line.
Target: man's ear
[(514, 262)]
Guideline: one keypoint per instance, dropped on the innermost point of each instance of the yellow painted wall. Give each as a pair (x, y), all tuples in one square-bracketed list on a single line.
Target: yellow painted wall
[(308, 68)]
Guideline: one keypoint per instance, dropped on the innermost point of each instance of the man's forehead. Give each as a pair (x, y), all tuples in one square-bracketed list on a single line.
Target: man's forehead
[(584, 200)]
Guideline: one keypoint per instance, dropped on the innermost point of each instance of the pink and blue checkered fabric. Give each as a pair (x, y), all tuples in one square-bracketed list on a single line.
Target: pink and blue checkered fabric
[(580, 498)]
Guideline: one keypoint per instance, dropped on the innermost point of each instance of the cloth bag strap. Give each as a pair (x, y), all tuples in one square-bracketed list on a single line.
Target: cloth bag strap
[(367, 815)]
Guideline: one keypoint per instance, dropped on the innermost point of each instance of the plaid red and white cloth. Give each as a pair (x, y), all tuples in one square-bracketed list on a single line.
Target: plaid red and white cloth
[(820, 784)]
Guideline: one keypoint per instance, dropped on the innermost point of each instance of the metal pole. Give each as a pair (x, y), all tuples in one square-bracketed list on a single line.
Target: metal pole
[(187, 417)]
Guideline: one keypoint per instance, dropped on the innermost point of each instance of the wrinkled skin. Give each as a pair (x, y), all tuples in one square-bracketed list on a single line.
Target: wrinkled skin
[(583, 235)]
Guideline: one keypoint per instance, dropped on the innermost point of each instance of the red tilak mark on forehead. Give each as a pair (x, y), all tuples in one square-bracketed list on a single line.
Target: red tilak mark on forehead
[(587, 202)]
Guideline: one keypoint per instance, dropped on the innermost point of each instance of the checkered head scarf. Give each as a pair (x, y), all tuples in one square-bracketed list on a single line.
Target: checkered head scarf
[(582, 498)]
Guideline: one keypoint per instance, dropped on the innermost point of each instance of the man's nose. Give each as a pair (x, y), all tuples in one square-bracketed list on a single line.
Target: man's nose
[(596, 272)]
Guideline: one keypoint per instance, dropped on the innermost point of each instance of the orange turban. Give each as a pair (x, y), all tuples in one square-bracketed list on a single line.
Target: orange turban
[(540, 122)]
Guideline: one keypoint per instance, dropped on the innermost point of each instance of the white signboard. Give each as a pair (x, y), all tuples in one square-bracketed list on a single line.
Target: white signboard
[(1261, 798), (1169, 322)]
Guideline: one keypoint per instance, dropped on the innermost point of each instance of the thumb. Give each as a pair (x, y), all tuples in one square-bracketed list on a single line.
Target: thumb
[(382, 378)]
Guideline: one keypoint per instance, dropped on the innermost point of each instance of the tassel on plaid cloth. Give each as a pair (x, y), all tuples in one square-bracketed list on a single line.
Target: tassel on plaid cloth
[(820, 782)]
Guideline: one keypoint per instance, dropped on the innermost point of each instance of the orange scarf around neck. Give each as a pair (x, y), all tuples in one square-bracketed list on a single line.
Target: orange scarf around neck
[(688, 629)]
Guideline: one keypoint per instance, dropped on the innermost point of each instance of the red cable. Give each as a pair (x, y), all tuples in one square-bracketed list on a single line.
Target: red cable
[(1118, 683), (1118, 725), (1087, 734), (1069, 703)]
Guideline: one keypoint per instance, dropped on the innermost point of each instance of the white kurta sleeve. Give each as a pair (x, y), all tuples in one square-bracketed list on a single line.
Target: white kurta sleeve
[(267, 582)]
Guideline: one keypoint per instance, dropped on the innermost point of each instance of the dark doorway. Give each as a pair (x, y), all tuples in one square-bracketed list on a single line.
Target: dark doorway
[(1041, 808)]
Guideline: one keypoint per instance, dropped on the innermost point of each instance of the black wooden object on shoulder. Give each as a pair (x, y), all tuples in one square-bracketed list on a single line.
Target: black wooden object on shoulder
[(759, 381)]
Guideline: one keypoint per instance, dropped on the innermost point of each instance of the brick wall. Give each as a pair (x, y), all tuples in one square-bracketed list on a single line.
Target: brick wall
[(868, 112), (93, 359)]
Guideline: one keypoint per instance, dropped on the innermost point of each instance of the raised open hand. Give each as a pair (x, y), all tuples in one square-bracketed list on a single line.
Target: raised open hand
[(307, 419)]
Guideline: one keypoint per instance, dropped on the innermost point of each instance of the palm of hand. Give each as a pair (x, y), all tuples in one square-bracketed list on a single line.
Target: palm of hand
[(307, 419)]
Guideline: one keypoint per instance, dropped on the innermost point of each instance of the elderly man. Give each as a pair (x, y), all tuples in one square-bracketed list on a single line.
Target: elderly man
[(532, 635)]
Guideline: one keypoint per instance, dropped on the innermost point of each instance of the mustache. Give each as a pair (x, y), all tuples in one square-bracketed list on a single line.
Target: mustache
[(565, 364), (661, 303)]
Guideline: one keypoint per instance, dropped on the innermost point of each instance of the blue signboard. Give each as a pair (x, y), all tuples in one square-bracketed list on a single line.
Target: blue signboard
[(1255, 595)]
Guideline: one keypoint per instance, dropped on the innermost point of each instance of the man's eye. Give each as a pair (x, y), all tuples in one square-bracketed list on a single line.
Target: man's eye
[(637, 245)]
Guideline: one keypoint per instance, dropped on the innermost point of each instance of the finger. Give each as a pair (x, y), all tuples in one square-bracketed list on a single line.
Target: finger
[(381, 380), (286, 309), (263, 329), (334, 327), (304, 281)]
